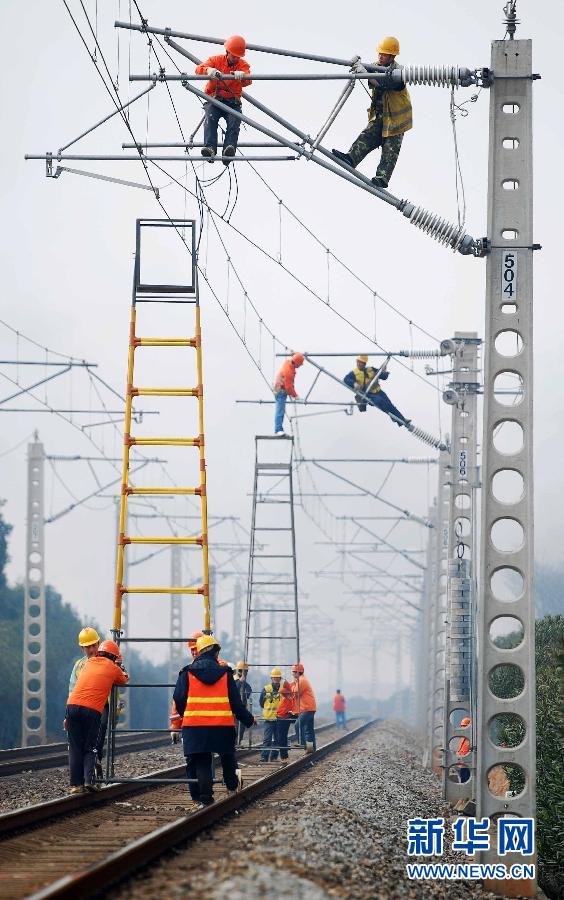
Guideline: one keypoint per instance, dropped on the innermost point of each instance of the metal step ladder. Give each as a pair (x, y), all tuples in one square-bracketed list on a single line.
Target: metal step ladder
[(272, 631), (159, 293)]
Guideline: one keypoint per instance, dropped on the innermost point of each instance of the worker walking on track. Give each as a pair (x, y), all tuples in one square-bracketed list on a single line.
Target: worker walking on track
[(339, 707), (269, 700), (389, 117), (284, 387), (207, 698), (245, 693), (85, 704), (229, 92), (89, 640), (305, 705), (285, 715), (366, 380)]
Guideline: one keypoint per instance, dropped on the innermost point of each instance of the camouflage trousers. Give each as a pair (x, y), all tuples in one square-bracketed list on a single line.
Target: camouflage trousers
[(369, 140)]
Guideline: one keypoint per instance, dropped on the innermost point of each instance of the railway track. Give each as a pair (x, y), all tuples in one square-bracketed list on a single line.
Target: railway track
[(49, 756), (78, 846)]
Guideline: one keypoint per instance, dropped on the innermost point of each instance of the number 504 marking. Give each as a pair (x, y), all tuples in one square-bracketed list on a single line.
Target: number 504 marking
[(508, 276)]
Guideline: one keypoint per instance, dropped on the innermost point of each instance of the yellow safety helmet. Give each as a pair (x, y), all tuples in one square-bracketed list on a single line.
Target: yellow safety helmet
[(206, 642), (363, 359), (88, 636), (389, 45), (242, 665), (276, 672)]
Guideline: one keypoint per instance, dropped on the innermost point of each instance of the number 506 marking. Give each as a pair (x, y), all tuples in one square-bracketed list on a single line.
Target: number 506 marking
[(508, 276)]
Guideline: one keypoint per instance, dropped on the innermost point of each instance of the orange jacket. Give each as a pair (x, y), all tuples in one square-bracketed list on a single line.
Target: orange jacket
[(285, 378), (463, 747), (175, 718), (95, 682), (307, 697), (285, 707), (207, 704), (227, 89), (339, 703)]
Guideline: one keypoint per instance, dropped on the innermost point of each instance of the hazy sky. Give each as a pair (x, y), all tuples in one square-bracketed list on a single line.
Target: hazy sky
[(67, 253)]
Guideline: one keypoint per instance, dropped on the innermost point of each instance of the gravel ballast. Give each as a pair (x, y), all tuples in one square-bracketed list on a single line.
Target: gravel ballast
[(340, 832)]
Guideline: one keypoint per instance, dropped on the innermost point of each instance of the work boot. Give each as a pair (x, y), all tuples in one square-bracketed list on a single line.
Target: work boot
[(309, 748), (280, 434), (194, 806), (91, 788), (379, 182), (228, 151), (207, 151), (77, 789), (344, 157)]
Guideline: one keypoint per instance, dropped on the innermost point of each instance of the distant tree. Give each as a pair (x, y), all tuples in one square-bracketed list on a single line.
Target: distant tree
[(5, 530), (549, 591)]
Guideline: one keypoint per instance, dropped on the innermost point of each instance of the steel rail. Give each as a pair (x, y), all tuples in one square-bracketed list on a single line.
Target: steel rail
[(30, 816), (50, 756), (90, 881)]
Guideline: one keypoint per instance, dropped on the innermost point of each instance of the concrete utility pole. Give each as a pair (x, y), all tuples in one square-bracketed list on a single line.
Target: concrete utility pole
[(426, 666), (177, 651), (463, 481), (34, 705), (438, 613), (507, 503)]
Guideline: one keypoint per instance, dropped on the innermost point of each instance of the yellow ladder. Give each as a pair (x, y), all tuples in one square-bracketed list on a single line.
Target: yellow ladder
[(165, 293)]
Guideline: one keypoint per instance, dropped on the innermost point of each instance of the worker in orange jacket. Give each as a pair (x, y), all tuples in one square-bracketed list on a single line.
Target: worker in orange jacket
[(285, 715), (339, 706), (305, 706), (229, 92), (464, 750), (284, 387), (85, 704)]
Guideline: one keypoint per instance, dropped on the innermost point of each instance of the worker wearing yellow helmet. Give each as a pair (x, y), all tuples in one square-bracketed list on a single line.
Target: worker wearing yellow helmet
[(389, 117), (365, 381), (245, 693), (207, 698), (269, 700)]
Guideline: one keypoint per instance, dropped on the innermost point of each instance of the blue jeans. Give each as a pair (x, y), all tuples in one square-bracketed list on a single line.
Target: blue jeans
[(280, 408), (341, 721), (307, 732), (282, 728), (212, 116), (269, 740)]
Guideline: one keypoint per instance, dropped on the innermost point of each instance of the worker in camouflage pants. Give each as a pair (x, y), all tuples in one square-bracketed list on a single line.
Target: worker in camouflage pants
[(389, 117)]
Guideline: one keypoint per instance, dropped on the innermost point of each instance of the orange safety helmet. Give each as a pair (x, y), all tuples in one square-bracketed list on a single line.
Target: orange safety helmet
[(465, 722), (236, 45), (298, 669), (298, 359), (109, 648), (191, 643)]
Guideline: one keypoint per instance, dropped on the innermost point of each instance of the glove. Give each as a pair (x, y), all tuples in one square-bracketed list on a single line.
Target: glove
[(358, 67), (238, 74), (175, 737), (213, 73)]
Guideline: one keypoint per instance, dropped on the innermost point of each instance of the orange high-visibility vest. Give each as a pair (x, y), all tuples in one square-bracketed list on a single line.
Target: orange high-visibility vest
[(207, 704)]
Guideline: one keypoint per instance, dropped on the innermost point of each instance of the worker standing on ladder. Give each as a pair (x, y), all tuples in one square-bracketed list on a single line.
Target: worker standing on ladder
[(389, 117), (366, 380), (269, 700), (229, 92), (207, 698), (305, 705), (284, 386)]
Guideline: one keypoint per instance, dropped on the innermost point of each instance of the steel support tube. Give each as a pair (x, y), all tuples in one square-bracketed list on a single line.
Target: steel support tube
[(107, 118), (260, 48), (274, 76), (185, 158)]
